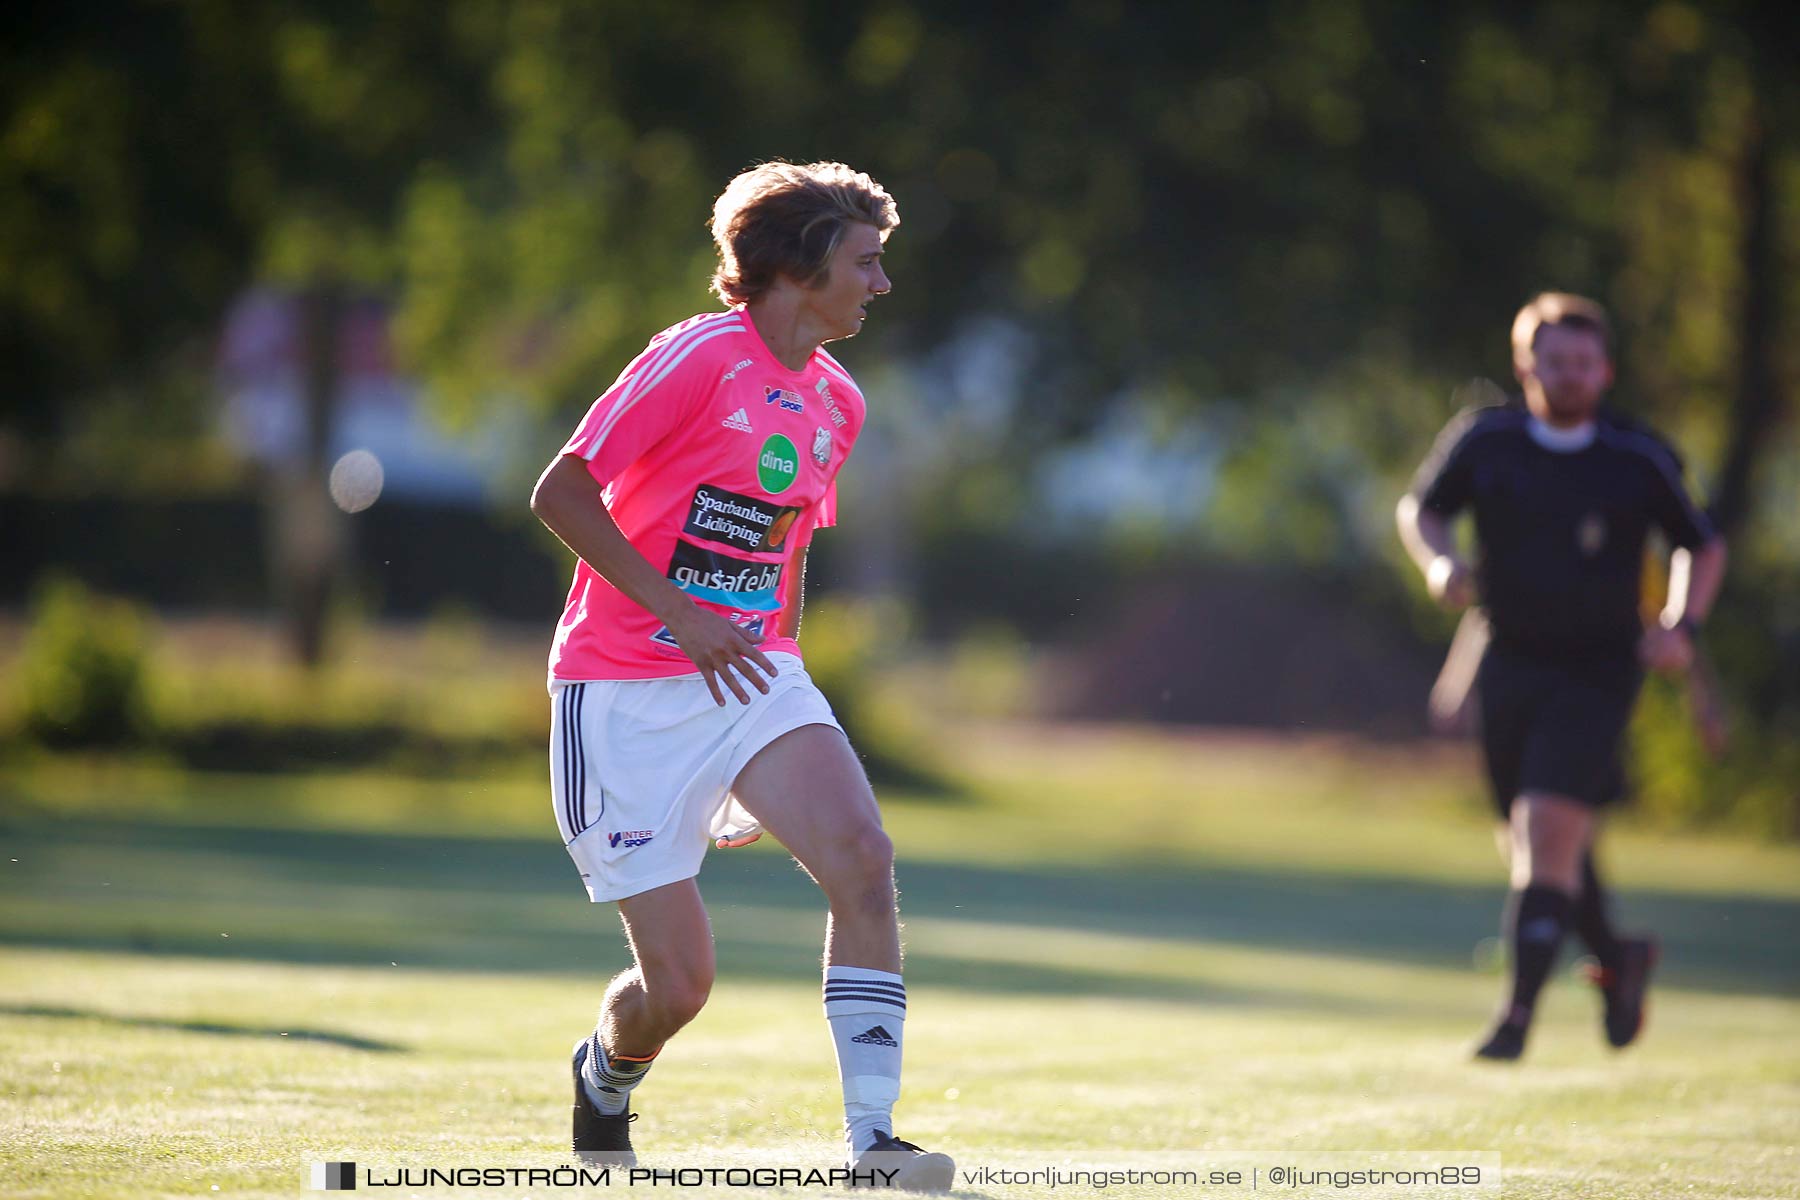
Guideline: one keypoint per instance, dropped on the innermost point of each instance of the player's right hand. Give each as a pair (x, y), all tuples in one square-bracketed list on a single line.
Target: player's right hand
[(723, 652), (1450, 582)]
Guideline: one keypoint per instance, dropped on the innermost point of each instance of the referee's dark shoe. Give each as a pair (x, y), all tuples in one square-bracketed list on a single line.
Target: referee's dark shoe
[(1624, 986), (1505, 1043), (903, 1166), (600, 1140)]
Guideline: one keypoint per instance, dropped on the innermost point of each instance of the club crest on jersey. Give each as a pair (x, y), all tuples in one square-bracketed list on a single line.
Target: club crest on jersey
[(823, 387), (789, 401), (821, 450), (1590, 534)]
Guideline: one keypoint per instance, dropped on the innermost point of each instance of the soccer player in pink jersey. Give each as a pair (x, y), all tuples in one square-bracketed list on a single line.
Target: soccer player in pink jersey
[(682, 714)]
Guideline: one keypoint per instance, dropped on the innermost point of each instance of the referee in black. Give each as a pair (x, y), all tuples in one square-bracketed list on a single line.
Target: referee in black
[(1564, 494)]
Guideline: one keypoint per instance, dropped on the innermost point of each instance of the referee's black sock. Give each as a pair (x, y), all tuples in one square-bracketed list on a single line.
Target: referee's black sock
[(1589, 918), (1536, 919)]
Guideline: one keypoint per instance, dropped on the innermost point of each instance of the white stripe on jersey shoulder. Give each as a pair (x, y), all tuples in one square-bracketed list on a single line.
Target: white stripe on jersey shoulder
[(1493, 419), (834, 367), (659, 348), (1499, 416), (654, 370), (1653, 449), (673, 339), (692, 323), (1642, 443)]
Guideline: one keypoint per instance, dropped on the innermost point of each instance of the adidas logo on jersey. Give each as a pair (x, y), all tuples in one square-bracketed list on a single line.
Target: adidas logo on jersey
[(739, 420), (877, 1036)]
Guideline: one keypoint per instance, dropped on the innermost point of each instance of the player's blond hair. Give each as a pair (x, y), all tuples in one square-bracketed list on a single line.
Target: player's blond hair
[(1562, 309), (785, 219)]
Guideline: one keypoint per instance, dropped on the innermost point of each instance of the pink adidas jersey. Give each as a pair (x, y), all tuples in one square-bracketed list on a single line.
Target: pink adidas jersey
[(718, 464)]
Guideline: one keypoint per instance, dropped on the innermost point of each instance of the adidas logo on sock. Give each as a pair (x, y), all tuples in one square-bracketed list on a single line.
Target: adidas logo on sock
[(875, 1037), (739, 420)]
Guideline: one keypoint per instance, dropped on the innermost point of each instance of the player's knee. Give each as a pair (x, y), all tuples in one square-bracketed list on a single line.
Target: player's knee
[(1554, 847), (678, 996), (870, 853), (676, 984), (861, 872)]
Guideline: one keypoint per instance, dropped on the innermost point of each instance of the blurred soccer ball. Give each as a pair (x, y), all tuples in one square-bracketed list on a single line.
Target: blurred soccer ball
[(356, 481)]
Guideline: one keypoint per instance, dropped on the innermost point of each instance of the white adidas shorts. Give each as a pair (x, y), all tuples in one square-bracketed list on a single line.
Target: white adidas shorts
[(641, 770)]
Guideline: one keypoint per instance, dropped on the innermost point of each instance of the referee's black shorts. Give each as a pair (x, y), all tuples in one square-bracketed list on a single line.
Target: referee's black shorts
[(1556, 726)]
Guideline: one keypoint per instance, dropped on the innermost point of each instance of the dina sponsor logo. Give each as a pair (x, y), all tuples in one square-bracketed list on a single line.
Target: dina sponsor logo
[(777, 465), (823, 387), (786, 397), (720, 579), (629, 838), (743, 522)]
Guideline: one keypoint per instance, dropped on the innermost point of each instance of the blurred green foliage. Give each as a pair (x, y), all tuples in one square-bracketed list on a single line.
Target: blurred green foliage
[(82, 668), (437, 699), (1754, 787), (1754, 640), (94, 673), (1315, 213), (853, 648), (1300, 223), (1214, 203)]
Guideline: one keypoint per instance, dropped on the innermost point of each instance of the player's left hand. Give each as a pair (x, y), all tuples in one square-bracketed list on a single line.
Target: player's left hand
[(734, 843), (1666, 650)]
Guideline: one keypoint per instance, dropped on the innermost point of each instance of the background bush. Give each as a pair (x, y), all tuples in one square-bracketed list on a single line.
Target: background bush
[(83, 668)]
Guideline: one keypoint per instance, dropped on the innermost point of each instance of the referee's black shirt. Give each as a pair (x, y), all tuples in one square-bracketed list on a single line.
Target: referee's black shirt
[(1561, 532)]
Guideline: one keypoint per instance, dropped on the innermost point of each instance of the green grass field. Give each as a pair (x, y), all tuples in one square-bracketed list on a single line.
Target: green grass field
[(1116, 940)]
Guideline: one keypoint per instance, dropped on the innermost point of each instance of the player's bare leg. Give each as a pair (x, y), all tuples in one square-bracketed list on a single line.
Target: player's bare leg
[(1550, 834), (671, 973), (808, 789), (1550, 837), (665, 987)]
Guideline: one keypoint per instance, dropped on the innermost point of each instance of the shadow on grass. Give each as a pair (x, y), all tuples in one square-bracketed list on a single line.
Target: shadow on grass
[(346, 1040), (515, 904)]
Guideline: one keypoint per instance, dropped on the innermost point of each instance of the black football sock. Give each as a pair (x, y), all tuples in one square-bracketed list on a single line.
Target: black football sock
[(1589, 918), (1536, 920)]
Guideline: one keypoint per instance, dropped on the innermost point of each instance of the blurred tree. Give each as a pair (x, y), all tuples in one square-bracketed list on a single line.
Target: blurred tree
[(1222, 205), (158, 157), (1305, 208)]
